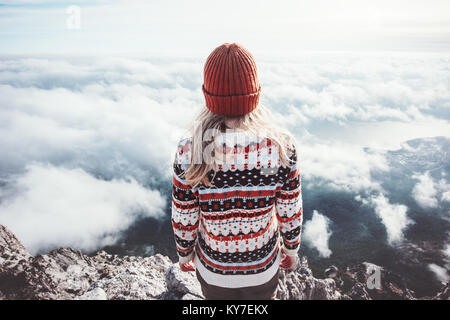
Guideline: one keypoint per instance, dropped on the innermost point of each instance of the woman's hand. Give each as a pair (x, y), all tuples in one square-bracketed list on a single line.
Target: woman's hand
[(288, 262), (186, 267)]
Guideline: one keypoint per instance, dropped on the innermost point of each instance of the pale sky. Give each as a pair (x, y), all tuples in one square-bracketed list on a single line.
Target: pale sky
[(197, 26)]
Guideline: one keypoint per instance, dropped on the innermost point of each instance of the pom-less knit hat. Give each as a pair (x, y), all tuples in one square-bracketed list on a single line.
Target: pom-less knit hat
[(231, 85)]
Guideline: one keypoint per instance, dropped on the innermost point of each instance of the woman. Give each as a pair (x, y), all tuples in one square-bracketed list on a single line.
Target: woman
[(237, 204)]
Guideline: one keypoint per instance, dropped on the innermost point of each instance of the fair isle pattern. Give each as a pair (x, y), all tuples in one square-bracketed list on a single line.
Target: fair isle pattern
[(233, 228)]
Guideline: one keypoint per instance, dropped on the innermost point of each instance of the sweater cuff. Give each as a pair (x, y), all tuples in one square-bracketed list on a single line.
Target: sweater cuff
[(187, 258), (290, 252)]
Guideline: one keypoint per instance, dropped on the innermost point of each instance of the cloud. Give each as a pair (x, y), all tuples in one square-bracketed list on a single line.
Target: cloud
[(385, 98), (440, 272), (446, 250), (110, 119), (424, 192), (317, 233), (50, 206), (393, 216), (116, 119), (443, 188), (340, 165), (338, 104), (427, 191), (446, 196), (120, 116)]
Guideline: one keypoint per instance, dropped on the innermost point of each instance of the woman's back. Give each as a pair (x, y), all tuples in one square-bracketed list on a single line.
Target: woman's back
[(237, 243)]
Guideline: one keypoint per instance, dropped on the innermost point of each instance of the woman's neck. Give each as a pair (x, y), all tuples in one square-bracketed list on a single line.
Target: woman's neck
[(232, 123)]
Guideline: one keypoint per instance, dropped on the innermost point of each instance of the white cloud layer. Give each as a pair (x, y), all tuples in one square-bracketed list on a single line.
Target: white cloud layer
[(428, 192), (51, 206), (341, 165), (440, 272), (119, 116), (446, 251), (393, 216), (317, 233), (446, 196), (425, 191), (371, 100)]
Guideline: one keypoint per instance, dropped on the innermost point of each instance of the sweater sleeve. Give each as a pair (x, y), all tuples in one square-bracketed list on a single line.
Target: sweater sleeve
[(289, 208), (185, 213)]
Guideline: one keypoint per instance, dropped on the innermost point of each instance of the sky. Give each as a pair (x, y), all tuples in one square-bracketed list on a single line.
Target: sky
[(265, 27)]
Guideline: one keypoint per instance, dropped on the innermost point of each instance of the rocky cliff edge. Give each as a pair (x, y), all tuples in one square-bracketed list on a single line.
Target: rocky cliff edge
[(66, 273)]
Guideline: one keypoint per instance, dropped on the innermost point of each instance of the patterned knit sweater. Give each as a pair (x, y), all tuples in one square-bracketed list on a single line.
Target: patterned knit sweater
[(234, 229)]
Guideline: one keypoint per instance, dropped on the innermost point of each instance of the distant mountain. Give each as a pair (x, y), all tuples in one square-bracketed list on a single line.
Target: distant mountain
[(422, 155)]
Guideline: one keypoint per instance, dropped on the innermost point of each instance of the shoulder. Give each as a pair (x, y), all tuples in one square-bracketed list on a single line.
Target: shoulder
[(287, 145), (182, 143), (184, 151), (290, 152)]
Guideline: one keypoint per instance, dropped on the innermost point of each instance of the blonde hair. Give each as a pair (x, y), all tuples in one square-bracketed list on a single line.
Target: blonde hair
[(258, 122)]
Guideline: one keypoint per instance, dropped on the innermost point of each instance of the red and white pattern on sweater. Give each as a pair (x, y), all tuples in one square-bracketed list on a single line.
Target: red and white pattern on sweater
[(233, 228)]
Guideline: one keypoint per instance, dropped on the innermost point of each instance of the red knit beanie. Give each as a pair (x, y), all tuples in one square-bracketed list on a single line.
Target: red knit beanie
[(231, 85)]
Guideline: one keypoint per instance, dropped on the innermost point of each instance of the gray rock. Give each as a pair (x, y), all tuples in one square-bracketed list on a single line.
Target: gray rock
[(132, 277), (189, 296), (300, 284), (331, 272), (66, 273), (293, 286), (359, 292), (182, 283), (444, 294), (94, 294)]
